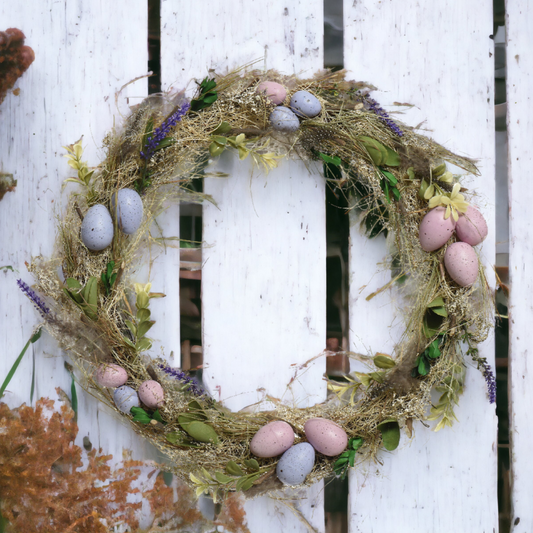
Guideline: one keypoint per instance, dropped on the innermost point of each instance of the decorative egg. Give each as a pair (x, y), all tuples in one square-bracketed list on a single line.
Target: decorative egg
[(296, 464), (111, 375), (471, 227), (283, 119), (435, 230), (126, 398), (128, 211), (272, 439), (275, 92), (461, 263), (305, 104), (97, 228), (325, 436), (151, 394)]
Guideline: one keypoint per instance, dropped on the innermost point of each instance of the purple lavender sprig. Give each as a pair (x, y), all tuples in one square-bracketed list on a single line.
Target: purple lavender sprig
[(193, 385), (384, 116), (32, 295), (160, 134), (486, 370)]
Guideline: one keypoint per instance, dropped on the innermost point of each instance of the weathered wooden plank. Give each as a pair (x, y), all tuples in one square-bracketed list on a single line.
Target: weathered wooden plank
[(519, 129), (263, 279), (84, 53), (438, 58)]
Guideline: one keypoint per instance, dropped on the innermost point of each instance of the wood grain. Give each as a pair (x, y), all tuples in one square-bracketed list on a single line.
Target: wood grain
[(439, 59), (519, 129)]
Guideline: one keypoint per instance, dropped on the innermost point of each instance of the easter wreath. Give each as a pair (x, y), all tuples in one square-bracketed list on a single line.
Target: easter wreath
[(398, 180)]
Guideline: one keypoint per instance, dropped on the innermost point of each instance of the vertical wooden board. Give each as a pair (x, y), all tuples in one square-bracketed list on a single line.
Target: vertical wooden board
[(519, 130), (253, 332), (438, 58), (84, 53)]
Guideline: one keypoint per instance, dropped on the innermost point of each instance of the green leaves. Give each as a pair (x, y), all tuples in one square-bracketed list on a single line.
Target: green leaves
[(34, 338), (347, 458), (86, 298), (390, 433), (388, 185), (423, 361), (335, 160), (434, 317), (384, 361), (379, 154), (108, 278), (141, 323), (207, 95), (234, 469)]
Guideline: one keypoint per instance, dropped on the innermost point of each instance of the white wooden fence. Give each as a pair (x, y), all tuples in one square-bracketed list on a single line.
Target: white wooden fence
[(263, 279)]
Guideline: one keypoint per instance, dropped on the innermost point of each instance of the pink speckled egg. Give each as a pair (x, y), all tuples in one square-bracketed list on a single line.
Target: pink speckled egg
[(275, 92), (325, 436), (272, 440), (435, 230), (461, 263), (151, 394), (111, 375), (471, 227)]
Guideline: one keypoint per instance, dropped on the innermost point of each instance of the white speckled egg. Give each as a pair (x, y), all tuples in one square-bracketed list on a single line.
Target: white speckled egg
[(461, 263), (435, 230), (471, 227), (151, 394), (275, 92), (97, 228), (128, 211), (272, 439), (325, 436), (126, 398), (305, 104), (283, 119), (111, 375), (296, 464)]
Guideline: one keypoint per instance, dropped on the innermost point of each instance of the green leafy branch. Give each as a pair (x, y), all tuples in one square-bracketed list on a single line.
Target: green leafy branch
[(140, 323), (108, 278), (143, 417), (207, 95), (75, 151), (434, 317), (424, 360), (451, 388), (85, 297), (389, 184), (347, 458)]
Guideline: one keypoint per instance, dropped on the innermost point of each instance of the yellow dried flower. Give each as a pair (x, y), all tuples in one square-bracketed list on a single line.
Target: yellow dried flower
[(454, 202)]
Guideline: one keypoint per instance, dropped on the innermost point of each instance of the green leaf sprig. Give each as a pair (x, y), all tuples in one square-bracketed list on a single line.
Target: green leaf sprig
[(207, 95), (423, 361), (86, 298), (434, 317), (347, 458), (140, 323), (451, 388), (389, 184), (108, 278), (143, 417)]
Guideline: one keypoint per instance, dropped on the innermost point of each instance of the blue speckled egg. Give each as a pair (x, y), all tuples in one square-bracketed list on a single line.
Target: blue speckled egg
[(283, 119), (305, 105), (128, 211), (97, 228), (126, 398), (295, 464)]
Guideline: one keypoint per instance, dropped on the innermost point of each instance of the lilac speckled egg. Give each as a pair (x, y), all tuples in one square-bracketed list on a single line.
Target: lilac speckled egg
[(471, 227), (305, 104), (325, 436), (111, 375), (273, 439), (97, 228), (275, 92), (128, 211), (151, 394), (283, 119), (126, 398), (435, 230), (461, 263), (296, 464)]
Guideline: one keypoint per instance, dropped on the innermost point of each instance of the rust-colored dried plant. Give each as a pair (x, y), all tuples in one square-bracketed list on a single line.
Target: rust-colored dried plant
[(44, 487), (15, 58)]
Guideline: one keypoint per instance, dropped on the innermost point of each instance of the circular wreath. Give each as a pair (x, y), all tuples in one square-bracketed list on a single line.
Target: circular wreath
[(400, 182)]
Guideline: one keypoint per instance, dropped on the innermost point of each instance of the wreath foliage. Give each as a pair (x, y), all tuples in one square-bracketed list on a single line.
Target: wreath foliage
[(387, 170)]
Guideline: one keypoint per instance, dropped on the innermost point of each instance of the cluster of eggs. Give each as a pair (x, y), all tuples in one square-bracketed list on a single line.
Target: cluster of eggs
[(296, 463), (97, 227), (460, 258), (150, 392), (303, 104)]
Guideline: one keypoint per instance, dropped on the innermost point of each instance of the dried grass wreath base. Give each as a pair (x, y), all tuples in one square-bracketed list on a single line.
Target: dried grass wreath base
[(389, 172)]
